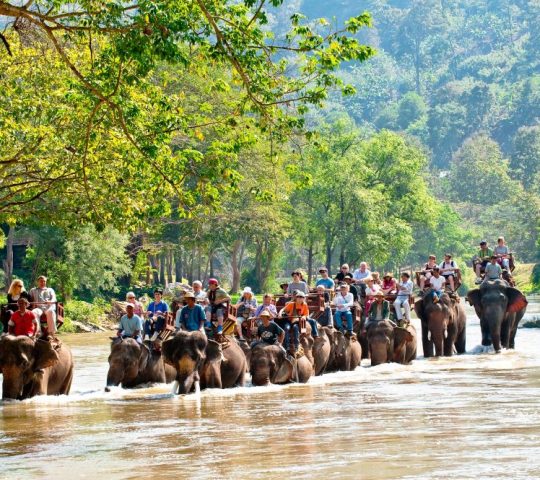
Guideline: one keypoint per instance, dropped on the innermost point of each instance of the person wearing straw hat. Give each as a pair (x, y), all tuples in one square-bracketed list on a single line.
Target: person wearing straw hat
[(389, 285), (269, 333), (245, 308), (379, 310), (191, 317), (217, 298)]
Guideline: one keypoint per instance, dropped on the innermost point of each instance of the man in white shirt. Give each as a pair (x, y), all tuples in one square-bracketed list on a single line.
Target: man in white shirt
[(448, 269), (343, 301), (44, 302), (405, 289), (437, 282)]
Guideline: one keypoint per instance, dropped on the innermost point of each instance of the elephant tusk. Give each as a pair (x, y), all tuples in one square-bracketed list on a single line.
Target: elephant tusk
[(429, 336)]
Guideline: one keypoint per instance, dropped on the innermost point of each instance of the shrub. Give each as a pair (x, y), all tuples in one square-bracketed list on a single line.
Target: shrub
[(84, 312)]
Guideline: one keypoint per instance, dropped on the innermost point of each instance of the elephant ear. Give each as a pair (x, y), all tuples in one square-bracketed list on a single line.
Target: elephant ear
[(214, 352), (419, 308), (167, 351), (285, 370), (474, 298), (44, 355), (143, 357), (516, 300)]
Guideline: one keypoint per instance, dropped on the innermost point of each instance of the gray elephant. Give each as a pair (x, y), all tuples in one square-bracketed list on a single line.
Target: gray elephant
[(271, 364), (500, 308), (199, 360), (443, 325), (346, 352), (34, 367), (405, 340), (317, 349), (132, 364), (380, 338)]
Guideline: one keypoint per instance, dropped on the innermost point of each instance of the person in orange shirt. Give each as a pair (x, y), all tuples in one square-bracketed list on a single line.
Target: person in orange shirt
[(290, 315), (23, 321)]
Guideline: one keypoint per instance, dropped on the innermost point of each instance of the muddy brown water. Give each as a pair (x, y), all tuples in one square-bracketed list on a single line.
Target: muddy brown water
[(473, 416)]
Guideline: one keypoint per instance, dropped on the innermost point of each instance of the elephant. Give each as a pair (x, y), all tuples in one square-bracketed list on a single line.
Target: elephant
[(500, 308), (198, 360), (34, 367), (404, 345), (380, 338), (132, 364), (346, 353), (271, 364), (317, 349), (443, 325)]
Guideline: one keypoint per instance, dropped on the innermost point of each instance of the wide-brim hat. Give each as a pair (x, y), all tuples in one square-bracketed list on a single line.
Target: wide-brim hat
[(265, 313), (189, 295), (247, 290), (388, 275), (379, 294), (300, 294)]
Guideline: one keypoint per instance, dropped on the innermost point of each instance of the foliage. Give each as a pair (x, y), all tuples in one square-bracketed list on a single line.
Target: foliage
[(83, 312)]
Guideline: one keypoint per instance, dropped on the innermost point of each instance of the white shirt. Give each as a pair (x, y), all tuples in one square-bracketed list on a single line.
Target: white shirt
[(408, 288), (344, 303), (437, 283), (40, 295), (443, 266)]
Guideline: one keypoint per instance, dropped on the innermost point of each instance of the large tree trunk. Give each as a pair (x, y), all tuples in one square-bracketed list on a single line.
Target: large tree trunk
[(199, 271), (265, 273), (310, 263), (211, 274), (170, 266), (328, 262), (178, 265), (191, 265), (154, 262), (162, 261), (8, 262), (236, 264)]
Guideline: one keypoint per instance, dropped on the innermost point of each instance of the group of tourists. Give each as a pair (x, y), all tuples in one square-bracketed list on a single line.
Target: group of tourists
[(30, 313)]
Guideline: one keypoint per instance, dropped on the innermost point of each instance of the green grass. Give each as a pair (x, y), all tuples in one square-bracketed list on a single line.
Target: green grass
[(523, 277)]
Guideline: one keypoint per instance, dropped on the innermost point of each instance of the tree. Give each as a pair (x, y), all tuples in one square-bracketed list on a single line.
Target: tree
[(479, 174), (525, 159)]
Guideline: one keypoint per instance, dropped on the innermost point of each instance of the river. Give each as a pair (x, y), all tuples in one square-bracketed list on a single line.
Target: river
[(472, 416)]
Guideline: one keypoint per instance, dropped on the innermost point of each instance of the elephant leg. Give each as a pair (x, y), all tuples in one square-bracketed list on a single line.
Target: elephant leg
[(427, 344), (66, 386), (461, 340), (505, 331), (486, 334), (451, 335), (496, 337)]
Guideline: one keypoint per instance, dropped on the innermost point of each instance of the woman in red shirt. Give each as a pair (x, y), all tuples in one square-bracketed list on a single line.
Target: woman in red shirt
[(23, 321)]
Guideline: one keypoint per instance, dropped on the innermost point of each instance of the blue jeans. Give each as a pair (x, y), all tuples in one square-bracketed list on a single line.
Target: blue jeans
[(326, 319), (338, 317), (157, 326), (287, 326), (138, 338), (314, 331), (436, 293)]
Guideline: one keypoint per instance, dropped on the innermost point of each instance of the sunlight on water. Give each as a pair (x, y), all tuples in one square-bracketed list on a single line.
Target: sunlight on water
[(472, 416)]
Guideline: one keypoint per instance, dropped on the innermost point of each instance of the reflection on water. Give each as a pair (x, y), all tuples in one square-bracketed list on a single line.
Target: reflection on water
[(474, 416)]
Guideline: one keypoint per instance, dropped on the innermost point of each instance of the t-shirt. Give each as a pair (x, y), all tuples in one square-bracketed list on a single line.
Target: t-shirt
[(493, 271), (269, 334), (157, 307), (326, 282), (301, 310), (484, 253), (437, 283), (300, 286), (138, 308), (130, 325), (244, 303), (370, 291), (40, 297), (359, 275), (500, 250), (445, 265), (190, 319), (23, 324), (271, 308)]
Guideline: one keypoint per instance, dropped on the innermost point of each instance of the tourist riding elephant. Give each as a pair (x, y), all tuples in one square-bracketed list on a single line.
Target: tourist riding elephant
[(404, 345), (380, 338), (197, 359), (34, 367), (346, 352), (443, 325), (271, 364), (500, 309), (132, 364)]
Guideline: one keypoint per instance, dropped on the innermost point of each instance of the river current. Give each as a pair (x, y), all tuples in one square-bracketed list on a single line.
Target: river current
[(472, 416)]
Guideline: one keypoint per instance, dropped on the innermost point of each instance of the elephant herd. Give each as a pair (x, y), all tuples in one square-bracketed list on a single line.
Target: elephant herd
[(44, 367)]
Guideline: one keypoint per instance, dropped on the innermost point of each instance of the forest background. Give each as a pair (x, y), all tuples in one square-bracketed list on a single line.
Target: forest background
[(422, 136)]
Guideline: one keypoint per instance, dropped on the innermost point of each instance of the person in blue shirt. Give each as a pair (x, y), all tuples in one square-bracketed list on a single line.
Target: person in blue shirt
[(191, 317), (155, 313), (325, 280), (131, 325)]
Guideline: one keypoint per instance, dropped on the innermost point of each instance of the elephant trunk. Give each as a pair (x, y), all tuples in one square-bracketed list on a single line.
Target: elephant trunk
[(186, 384), (115, 376), (186, 374), (495, 317)]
